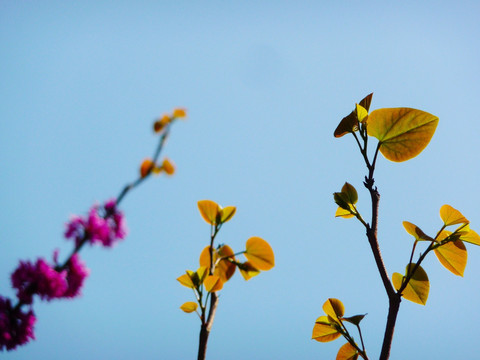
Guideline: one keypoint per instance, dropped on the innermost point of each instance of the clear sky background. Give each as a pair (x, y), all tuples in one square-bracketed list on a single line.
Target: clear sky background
[(265, 84)]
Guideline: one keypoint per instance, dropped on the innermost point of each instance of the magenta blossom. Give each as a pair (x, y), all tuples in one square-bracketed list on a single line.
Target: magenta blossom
[(16, 327), (39, 278), (76, 274), (104, 225)]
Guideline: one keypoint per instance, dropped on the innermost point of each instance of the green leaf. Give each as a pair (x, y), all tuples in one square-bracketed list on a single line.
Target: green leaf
[(350, 192), (402, 133), (453, 256), (341, 200), (418, 287)]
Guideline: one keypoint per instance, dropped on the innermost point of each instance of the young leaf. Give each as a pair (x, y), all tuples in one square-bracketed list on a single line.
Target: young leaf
[(354, 319), (247, 270), (260, 253), (323, 331), (366, 101), (213, 283), (351, 195), (347, 352), (453, 255), (451, 216), (146, 167), (362, 113), (224, 268), (418, 287), (209, 210), (185, 280), (344, 213), (471, 237), (189, 307), (349, 124), (402, 133), (416, 232), (334, 308), (227, 213)]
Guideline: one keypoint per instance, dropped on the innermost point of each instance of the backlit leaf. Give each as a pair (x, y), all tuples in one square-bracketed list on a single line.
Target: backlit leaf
[(146, 167), (350, 192), (185, 280), (227, 213), (223, 268), (189, 307), (362, 113), (366, 101), (471, 237), (168, 166), (323, 332), (418, 287), (334, 308), (348, 124), (403, 133), (415, 231), (341, 200), (347, 352), (179, 113), (453, 255), (343, 213), (213, 283), (209, 210), (451, 216), (260, 253), (247, 270)]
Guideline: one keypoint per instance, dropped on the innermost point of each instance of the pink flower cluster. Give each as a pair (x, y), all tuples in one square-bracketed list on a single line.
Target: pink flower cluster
[(104, 225), (16, 326)]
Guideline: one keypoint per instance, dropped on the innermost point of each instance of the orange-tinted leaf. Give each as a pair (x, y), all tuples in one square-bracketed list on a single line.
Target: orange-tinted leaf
[(189, 307), (323, 332), (347, 352), (179, 113), (146, 167), (260, 253), (185, 280), (343, 213), (334, 308), (160, 124), (223, 268), (227, 213), (403, 133), (453, 255), (247, 270), (415, 231), (213, 283), (418, 287), (451, 216), (209, 210), (471, 237), (168, 166)]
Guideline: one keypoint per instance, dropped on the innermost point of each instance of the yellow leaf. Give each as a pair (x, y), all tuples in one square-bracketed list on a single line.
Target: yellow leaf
[(168, 166), (224, 268), (189, 307), (471, 237), (323, 332), (179, 113), (343, 213), (334, 308), (213, 283), (160, 124), (453, 255), (260, 253), (146, 167), (248, 270), (418, 287), (209, 210), (227, 213), (451, 216), (403, 133), (185, 280), (347, 352), (416, 232), (362, 113)]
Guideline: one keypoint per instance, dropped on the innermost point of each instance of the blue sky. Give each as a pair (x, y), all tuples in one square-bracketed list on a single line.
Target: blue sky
[(265, 85)]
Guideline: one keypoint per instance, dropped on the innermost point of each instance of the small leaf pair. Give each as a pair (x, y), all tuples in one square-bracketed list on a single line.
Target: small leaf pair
[(160, 124), (213, 213), (148, 166), (346, 200)]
